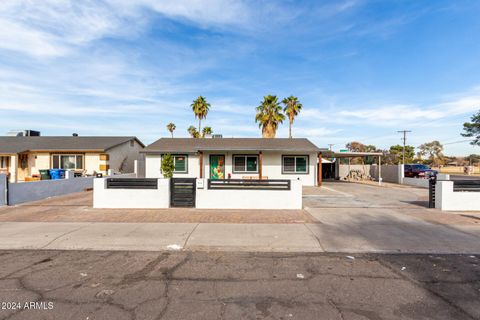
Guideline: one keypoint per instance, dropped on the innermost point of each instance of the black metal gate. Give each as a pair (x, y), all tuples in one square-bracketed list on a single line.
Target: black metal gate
[(182, 192), (431, 192)]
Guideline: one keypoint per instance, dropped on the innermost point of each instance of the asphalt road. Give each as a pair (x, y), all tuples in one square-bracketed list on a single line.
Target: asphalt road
[(213, 285)]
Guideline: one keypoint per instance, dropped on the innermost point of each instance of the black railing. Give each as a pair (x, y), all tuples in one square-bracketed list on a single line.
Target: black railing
[(132, 183), (466, 185), (247, 184)]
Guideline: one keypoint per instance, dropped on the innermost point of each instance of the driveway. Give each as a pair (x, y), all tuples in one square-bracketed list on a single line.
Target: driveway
[(358, 217), (338, 217)]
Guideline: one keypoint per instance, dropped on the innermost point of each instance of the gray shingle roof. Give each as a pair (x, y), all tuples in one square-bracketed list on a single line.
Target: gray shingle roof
[(176, 145), (9, 145)]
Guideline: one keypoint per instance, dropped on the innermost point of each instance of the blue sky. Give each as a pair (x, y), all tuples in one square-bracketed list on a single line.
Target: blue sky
[(362, 69)]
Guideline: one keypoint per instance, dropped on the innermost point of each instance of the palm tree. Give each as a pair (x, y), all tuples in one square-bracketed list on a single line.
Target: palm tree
[(171, 127), (292, 109), (206, 131), (200, 108), (269, 115), (192, 131)]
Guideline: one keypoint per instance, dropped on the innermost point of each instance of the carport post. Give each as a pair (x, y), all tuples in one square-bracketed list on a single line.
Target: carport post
[(319, 173), (380, 170), (200, 155)]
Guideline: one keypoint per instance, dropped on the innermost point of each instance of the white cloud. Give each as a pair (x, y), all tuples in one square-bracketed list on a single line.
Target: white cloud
[(398, 114), (52, 28), (205, 13)]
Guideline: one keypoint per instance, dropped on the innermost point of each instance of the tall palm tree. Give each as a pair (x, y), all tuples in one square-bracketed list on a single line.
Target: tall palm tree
[(206, 131), (269, 116), (192, 131), (171, 127), (292, 109), (200, 108)]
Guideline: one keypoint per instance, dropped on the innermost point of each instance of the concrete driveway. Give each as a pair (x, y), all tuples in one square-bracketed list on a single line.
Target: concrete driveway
[(339, 217), (358, 218)]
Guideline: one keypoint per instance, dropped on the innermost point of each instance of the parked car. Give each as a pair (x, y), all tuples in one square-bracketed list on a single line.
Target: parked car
[(419, 171)]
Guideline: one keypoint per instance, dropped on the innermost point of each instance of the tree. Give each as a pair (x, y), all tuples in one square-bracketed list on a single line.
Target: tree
[(200, 108), (397, 154), (192, 131), (472, 129), (356, 146), (167, 166), (473, 159), (171, 127), (206, 131), (433, 151), (292, 109), (269, 116)]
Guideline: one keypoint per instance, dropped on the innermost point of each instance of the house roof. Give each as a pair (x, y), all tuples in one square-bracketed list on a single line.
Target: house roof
[(14, 145), (177, 145)]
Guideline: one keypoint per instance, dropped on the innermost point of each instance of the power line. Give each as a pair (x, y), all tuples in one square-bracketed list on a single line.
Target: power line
[(404, 142), (461, 141)]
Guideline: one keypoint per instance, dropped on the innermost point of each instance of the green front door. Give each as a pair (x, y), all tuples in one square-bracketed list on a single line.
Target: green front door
[(217, 167)]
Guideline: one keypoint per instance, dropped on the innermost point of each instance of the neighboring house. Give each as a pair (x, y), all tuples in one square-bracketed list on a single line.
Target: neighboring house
[(22, 157), (237, 158)]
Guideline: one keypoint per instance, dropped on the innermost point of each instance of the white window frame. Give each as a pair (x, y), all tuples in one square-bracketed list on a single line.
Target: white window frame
[(246, 166), (295, 156)]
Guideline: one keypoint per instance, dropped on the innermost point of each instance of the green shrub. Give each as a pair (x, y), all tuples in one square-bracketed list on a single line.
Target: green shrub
[(167, 166)]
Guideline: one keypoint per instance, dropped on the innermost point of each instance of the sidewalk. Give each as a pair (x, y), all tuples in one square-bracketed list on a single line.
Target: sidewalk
[(394, 237)]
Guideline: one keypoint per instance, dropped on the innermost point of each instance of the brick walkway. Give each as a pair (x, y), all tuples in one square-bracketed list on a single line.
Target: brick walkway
[(78, 208)]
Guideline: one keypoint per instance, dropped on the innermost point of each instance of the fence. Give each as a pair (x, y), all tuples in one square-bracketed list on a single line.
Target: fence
[(30, 191), (250, 184), (390, 173), (3, 189), (205, 193), (458, 195), (250, 194), (131, 193), (416, 182)]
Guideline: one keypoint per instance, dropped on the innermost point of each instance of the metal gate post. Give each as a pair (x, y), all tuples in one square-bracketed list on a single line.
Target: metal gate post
[(431, 191)]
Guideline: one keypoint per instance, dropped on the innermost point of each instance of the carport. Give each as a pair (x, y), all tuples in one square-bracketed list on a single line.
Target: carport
[(347, 155)]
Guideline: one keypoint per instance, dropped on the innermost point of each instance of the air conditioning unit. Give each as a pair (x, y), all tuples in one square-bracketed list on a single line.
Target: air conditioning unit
[(23, 133)]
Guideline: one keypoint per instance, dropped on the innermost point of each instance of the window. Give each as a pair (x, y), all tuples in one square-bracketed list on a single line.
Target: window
[(180, 163), (132, 143), (67, 161), (4, 162), (245, 163), (295, 164)]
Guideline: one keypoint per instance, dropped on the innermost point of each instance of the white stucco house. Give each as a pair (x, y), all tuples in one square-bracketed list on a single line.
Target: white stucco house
[(236, 158)]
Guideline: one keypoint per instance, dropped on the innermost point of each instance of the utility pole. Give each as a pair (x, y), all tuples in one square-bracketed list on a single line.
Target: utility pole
[(404, 142)]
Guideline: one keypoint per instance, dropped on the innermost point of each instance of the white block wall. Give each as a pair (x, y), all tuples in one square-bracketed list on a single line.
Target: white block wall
[(448, 200), (416, 182), (131, 198), (250, 199)]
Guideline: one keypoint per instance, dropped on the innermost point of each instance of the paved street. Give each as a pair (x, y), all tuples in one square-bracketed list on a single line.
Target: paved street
[(220, 285)]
